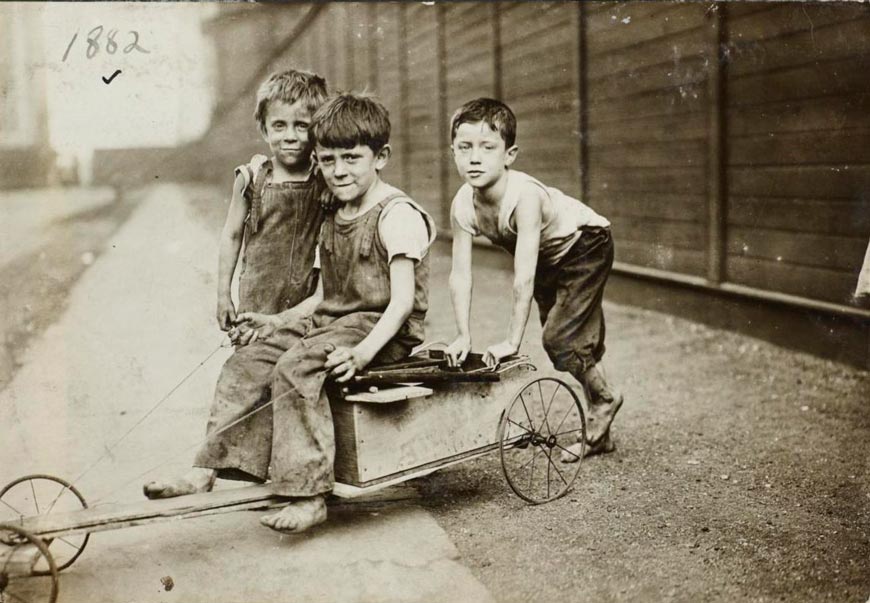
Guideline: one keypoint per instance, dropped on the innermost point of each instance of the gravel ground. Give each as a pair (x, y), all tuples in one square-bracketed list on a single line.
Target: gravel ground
[(740, 474), (741, 470)]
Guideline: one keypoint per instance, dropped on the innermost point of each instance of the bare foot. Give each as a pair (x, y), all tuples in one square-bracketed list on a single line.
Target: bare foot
[(298, 516), (194, 481), (572, 453), (601, 415)]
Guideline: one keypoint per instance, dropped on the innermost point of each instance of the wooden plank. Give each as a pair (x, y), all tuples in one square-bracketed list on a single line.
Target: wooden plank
[(663, 153), (662, 76), (612, 180), (531, 22), (518, 67), (813, 283), (661, 256), (642, 25), (113, 516), (606, 22), (784, 19), (839, 34), (680, 46), (798, 248), (685, 208), (535, 109), (822, 216), (391, 491), (845, 112), (390, 394), (840, 147), (800, 182), (628, 129), (824, 78), (667, 101), (685, 235), (742, 9)]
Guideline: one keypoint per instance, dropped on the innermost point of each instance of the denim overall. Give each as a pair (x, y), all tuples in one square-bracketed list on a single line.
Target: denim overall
[(280, 239), (292, 442)]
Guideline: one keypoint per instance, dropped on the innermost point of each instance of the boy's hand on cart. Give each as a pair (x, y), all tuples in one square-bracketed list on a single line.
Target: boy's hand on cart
[(494, 353), (457, 352), (260, 326), (345, 363), (241, 334), (226, 314)]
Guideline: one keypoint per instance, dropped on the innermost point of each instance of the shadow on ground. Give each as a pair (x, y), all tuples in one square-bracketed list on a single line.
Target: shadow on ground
[(741, 471)]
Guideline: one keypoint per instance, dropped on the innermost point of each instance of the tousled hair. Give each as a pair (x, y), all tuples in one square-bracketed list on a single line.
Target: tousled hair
[(289, 87), (493, 113), (348, 120)]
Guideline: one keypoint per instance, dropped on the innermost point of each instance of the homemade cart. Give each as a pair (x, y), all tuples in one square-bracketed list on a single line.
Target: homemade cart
[(392, 424)]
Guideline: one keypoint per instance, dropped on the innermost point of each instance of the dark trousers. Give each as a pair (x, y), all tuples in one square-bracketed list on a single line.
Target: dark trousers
[(569, 297)]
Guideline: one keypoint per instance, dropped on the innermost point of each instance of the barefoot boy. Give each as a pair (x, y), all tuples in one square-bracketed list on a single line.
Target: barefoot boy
[(374, 267), (275, 210), (562, 256)]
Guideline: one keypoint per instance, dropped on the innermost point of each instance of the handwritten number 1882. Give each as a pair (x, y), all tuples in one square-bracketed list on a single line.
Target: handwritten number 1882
[(110, 44)]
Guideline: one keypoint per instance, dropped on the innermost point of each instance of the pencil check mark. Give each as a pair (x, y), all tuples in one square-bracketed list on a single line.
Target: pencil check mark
[(111, 77)]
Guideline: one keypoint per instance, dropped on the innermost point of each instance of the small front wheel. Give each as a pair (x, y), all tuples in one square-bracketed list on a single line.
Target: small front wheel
[(543, 423), (42, 494), (20, 553)]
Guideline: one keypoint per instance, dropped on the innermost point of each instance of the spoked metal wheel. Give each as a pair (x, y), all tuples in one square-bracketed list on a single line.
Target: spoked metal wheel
[(40, 494), (20, 553), (543, 423)]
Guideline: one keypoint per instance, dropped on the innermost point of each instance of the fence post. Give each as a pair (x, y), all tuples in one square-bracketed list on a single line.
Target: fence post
[(717, 153), (583, 118)]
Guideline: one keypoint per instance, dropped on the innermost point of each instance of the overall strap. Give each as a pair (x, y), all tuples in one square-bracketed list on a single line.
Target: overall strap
[(327, 232), (365, 247), (257, 187)]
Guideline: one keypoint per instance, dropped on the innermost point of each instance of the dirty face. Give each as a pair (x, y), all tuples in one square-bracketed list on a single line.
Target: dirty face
[(286, 131), (350, 173), (480, 154)]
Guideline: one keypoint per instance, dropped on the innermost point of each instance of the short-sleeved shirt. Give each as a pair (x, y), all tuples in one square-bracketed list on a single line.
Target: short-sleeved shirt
[(562, 221), (404, 232)]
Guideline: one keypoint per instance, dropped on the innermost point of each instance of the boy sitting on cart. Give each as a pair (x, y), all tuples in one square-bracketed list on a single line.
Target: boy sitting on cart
[(372, 299), (562, 252)]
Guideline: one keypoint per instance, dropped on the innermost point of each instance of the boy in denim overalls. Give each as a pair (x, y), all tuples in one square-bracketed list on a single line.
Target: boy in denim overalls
[(275, 210), (372, 299), (562, 252)]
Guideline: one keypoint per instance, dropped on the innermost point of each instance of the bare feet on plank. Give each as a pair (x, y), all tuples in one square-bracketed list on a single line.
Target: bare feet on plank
[(193, 482)]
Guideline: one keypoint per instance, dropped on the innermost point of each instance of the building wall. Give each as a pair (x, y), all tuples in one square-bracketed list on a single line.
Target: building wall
[(25, 157), (728, 143)]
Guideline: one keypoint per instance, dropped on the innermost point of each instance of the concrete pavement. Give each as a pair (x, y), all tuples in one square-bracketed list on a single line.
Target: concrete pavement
[(139, 320)]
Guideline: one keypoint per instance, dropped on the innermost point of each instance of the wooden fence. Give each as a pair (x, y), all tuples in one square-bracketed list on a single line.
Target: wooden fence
[(728, 143)]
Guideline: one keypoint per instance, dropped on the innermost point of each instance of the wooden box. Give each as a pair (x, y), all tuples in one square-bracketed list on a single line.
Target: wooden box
[(377, 442)]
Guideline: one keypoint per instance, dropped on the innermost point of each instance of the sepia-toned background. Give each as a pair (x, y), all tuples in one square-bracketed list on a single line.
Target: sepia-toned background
[(726, 142)]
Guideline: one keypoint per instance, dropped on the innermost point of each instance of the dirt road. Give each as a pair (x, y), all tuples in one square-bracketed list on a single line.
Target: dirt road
[(741, 472), (135, 324)]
